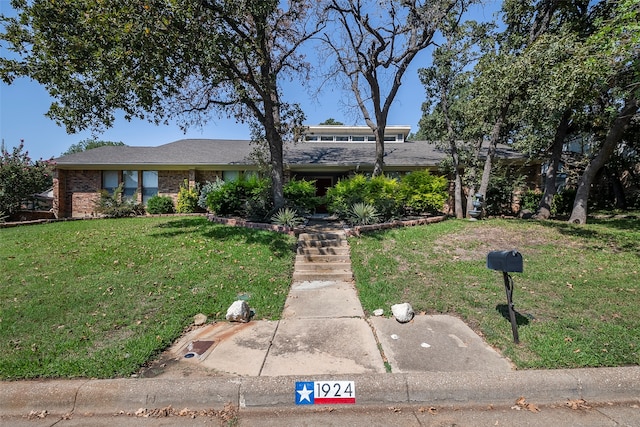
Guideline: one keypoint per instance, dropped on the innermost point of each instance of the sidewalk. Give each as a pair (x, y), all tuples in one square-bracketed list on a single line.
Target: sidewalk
[(428, 364)]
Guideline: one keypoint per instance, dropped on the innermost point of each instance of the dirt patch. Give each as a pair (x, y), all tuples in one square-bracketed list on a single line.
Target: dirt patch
[(475, 246), (168, 365)]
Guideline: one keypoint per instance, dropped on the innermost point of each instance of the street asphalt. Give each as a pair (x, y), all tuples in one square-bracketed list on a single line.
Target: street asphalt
[(433, 370)]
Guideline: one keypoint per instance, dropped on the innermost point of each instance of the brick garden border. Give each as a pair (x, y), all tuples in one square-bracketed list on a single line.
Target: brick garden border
[(359, 229), (351, 231), (238, 222)]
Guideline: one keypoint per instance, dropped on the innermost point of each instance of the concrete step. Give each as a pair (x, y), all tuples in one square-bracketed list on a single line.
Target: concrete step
[(321, 236), (323, 267), (340, 250), (311, 276), (322, 243), (317, 257)]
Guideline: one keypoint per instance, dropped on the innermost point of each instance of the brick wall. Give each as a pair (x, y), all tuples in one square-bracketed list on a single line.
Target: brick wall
[(203, 176), (169, 183), (75, 193)]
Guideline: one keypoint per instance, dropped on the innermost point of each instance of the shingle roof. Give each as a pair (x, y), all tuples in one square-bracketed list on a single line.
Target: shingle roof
[(194, 152), (215, 152)]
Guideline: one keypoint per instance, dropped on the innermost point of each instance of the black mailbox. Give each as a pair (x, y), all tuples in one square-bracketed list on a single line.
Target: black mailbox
[(505, 261)]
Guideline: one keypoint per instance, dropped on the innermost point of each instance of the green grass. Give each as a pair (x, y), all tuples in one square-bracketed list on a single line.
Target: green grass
[(577, 301), (99, 299), (102, 298)]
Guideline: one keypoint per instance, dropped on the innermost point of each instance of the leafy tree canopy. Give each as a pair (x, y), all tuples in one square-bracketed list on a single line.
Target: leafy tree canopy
[(89, 144), (331, 122), (21, 178), (163, 59)]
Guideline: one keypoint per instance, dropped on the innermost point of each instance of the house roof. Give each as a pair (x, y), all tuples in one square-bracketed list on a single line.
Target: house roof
[(229, 154)]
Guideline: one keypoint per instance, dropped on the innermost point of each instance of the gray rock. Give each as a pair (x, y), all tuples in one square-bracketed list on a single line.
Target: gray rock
[(378, 312), (239, 312), (199, 319), (402, 312)]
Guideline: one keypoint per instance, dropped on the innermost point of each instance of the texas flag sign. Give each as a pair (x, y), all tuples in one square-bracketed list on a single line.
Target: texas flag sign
[(325, 392)]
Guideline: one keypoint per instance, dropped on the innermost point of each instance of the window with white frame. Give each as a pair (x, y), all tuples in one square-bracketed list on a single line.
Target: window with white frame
[(149, 185), (130, 181), (110, 181)]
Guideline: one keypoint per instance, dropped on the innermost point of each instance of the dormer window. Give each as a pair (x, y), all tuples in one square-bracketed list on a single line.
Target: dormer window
[(331, 133)]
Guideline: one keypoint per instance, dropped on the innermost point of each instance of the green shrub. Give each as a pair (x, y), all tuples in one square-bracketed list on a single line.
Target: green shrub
[(383, 195), (300, 195), (248, 198), (207, 188), (116, 206), (187, 198), (286, 217), (345, 194), (502, 186), (380, 192), (563, 201), (259, 205), (160, 205), (363, 214), (530, 200), (422, 192)]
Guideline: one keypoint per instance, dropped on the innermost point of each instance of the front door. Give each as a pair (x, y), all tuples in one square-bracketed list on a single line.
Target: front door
[(322, 184)]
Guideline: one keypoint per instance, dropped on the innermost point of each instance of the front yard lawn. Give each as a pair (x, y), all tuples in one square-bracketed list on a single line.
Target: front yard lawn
[(101, 298), (578, 300)]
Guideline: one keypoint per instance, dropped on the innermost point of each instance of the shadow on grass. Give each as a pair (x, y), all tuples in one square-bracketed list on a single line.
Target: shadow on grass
[(278, 243), (601, 238), (503, 309)]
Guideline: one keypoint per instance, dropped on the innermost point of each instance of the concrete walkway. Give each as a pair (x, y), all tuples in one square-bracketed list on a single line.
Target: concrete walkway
[(324, 330)]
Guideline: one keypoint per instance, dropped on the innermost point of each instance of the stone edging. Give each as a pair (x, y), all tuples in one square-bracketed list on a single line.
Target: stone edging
[(359, 229), (354, 231), (237, 222)]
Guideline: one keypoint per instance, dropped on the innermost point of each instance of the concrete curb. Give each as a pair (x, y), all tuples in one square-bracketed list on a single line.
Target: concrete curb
[(601, 385)]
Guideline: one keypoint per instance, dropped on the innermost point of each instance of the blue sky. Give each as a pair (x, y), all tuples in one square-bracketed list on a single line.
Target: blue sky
[(23, 105)]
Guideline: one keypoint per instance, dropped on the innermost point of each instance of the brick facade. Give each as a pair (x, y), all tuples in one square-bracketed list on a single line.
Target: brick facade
[(169, 183), (76, 191)]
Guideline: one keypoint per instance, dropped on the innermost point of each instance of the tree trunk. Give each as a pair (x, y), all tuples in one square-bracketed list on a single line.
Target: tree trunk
[(471, 190), (471, 180), (544, 207), (457, 189), (271, 125), (378, 165), (491, 151), (455, 158), (618, 190), (277, 169), (579, 212)]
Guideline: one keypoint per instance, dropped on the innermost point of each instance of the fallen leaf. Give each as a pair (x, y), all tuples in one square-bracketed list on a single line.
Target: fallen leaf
[(522, 403), (578, 404)]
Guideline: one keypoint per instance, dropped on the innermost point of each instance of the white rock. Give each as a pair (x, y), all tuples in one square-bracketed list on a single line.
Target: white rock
[(239, 312), (199, 319), (378, 312), (402, 312)]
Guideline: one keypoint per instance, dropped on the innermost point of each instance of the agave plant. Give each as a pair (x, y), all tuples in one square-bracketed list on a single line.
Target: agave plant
[(286, 217), (363, 214)]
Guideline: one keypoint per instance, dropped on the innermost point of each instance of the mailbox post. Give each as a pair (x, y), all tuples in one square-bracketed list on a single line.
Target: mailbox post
[(507, 262)]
